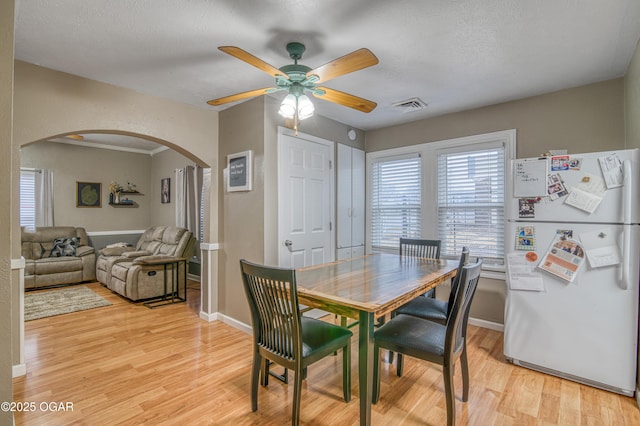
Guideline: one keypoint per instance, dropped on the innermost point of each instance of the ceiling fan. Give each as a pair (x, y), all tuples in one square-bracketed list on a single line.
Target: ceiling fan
[(299, 79)]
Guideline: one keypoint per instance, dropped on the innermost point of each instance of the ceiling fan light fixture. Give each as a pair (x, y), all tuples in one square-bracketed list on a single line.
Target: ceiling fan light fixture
[(288, 106), (305, 107)]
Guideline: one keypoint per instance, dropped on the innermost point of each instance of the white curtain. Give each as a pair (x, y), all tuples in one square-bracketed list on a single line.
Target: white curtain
[(44, 198), (188, 198)]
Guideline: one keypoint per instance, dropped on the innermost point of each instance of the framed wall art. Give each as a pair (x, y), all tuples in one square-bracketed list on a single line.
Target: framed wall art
[(239, 171), (88, 194), (165, 190)]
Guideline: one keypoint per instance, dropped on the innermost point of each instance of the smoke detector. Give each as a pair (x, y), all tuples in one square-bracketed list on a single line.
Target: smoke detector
[(410, 105)]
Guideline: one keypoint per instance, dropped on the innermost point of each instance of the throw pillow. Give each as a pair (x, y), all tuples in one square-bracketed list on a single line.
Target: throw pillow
[(64, 247)]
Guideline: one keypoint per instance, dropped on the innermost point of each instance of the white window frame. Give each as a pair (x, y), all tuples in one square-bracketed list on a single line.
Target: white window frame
[(32, 193), (428, 152), (370, 167)]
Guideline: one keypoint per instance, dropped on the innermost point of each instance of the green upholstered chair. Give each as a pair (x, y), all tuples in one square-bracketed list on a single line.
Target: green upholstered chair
[(433, 342), (434, 309), (283, 336)]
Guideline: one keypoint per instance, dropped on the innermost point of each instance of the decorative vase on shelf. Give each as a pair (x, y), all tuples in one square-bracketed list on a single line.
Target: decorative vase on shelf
[(116, 198), (111, 198)]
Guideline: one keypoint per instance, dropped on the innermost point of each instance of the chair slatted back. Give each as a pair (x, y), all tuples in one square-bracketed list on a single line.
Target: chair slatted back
[(464, 258), (457, 321), (275, 311), (420, 248)]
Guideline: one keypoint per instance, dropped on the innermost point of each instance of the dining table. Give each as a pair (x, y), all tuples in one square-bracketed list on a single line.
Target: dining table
[(366, 289)]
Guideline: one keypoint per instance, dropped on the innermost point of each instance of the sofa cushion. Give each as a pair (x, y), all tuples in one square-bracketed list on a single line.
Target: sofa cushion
[(172, 235), (29, 267), (64, 247), (55, 265), (32, 250)]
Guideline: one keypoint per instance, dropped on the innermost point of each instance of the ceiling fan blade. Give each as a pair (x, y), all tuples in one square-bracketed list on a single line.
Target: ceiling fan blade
[(247, 57), (239, 96), (354, 61), (345, 99)]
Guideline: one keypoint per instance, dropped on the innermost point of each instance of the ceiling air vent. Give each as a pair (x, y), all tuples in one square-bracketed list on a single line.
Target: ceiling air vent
[(410, 105)]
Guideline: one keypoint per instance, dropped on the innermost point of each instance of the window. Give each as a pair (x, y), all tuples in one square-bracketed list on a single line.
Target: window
[(454, 190), (471, 208), (395, 201), (28, 198)]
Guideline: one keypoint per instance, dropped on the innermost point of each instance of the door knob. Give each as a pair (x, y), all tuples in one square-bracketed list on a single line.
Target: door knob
[(288, 243)]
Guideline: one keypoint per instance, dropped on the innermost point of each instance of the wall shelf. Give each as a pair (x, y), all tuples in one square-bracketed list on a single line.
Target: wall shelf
[(130, 205)]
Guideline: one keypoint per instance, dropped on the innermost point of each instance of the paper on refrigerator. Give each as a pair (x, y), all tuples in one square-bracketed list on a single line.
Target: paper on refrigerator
[(601, 247), (522, 272), (611, 167), (587, 194)]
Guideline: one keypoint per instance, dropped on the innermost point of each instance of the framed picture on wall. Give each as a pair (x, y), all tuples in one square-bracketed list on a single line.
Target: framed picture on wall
[(239, 171), (165, 190), (88, 194)]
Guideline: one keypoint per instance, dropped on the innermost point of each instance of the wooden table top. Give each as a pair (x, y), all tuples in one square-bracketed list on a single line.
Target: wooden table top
[(377, 283)]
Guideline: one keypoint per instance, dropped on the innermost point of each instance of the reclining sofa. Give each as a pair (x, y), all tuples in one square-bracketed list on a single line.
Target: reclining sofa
[(56, 255), (126, 271)]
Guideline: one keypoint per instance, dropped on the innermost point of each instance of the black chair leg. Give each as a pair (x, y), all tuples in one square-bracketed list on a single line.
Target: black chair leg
[(447, 373), (399, 365), (465, 372), (376, 375), (346, 372), (264, 372), (255, 377), (297, 391)]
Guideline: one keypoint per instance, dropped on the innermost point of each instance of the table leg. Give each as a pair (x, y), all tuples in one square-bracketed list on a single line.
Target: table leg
[(365, 366)]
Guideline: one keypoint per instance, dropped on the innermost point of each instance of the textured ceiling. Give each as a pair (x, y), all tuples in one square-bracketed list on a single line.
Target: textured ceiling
[(452, 54)]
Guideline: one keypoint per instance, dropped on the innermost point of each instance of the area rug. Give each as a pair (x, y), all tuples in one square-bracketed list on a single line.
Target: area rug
[(62, 301)]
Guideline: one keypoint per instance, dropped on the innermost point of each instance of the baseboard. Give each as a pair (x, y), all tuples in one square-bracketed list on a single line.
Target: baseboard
[(247, 328), (209, 317), (487, 324), (19, 370), (236, 324)]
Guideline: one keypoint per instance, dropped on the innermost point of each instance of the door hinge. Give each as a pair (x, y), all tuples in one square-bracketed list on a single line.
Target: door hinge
[(330, 226), (330, 165)]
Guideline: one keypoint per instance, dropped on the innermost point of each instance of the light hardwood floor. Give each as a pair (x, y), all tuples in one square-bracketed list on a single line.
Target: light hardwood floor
[(127, 364)]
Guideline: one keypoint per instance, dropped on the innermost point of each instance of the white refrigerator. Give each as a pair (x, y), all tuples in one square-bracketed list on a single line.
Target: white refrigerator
[(573, 262)]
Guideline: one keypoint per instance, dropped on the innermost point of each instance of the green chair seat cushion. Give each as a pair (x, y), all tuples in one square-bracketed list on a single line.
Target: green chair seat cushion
[(427, 308), (412, 336), (320, 338)]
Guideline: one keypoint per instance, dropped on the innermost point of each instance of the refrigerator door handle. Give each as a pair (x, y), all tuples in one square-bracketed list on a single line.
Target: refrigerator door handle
[(626, 231)]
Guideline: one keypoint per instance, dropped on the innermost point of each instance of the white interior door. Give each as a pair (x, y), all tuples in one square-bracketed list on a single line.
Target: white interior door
[(305, 201)]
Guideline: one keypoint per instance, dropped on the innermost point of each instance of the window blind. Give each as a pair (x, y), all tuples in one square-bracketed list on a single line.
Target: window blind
[(28, 198), (471, 202), (395, 201)]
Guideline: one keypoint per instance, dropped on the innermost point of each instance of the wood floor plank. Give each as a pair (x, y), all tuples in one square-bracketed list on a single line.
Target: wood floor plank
[(126, 364)]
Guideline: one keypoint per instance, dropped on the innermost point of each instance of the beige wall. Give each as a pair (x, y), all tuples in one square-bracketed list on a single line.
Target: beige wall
[(75, 105), (71, 163), (163, 165), (248, 220), (8, 162), (121, 166), (241, 213), (584, 119), (632, 101)]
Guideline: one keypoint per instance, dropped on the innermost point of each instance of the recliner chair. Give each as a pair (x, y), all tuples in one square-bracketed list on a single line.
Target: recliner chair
[(124, 271)]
